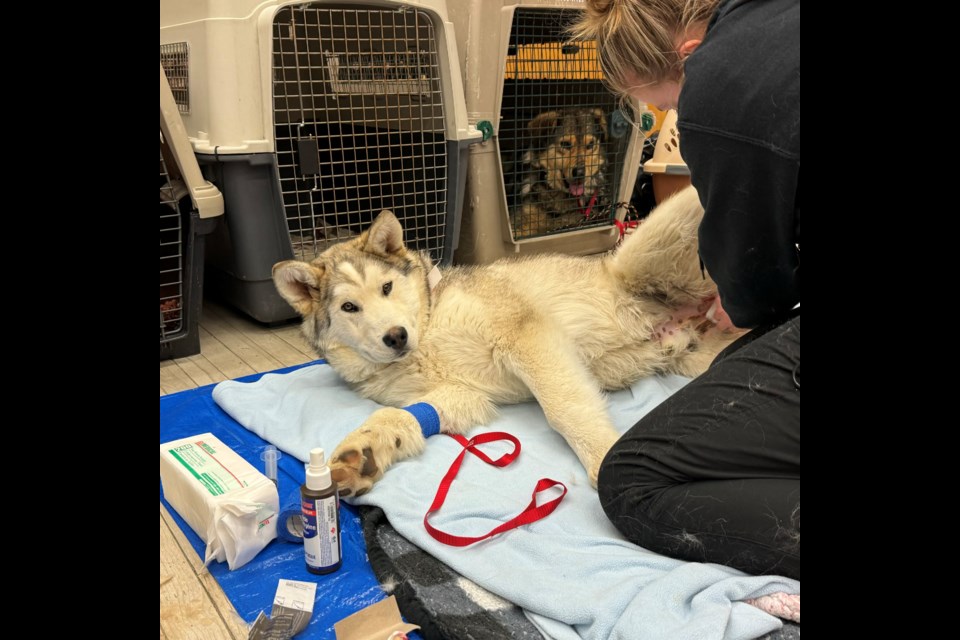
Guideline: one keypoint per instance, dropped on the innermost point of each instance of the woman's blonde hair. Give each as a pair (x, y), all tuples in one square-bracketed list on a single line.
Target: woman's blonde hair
[(636, 38)]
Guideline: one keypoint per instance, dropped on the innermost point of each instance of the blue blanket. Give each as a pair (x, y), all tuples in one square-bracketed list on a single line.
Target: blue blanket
[(572, 572)]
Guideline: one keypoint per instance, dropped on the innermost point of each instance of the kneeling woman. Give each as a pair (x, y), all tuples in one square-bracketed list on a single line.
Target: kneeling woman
[(713, 474)]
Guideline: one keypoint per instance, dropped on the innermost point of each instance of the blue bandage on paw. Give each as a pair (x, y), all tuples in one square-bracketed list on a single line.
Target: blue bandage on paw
[(427, 416)]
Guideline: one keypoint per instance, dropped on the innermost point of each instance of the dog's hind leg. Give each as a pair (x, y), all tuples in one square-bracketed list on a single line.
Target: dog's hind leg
[(390, 435), (570, 397)]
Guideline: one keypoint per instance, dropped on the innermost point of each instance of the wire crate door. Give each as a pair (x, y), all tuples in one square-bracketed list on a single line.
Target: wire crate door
[(359, 115), (171, 257), (563, 137)]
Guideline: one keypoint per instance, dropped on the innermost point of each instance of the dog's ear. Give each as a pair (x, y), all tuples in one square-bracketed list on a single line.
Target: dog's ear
[(542, 129), (299, 283), (601, 119), (385, 235)]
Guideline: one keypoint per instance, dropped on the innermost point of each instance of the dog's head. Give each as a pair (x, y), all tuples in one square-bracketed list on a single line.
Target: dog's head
[(567, 147), (364, 301)]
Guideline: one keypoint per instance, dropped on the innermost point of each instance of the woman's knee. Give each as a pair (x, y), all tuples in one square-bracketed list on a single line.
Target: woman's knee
[(628, 484), (636, 460)]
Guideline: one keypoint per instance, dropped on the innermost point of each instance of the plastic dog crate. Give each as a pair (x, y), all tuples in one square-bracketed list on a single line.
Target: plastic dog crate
[(667, 168), (312, 118), (189, 209), (552, 126)]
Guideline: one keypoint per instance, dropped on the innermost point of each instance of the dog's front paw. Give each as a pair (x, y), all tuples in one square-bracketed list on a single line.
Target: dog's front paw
[(360, 460), (354, 469)]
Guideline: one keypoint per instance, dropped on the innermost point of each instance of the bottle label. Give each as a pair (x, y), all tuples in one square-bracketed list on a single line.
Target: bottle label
[(321, 532)]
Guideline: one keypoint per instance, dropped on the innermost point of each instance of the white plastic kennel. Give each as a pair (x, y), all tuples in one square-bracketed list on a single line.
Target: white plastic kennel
[(667, 168), (312, 117), (520, 69)]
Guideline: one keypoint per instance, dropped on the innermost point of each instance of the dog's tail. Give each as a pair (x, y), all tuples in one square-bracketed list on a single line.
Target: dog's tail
[(660, 259)]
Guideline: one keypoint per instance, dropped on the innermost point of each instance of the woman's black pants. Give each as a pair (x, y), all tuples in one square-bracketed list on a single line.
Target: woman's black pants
[(713, 473)]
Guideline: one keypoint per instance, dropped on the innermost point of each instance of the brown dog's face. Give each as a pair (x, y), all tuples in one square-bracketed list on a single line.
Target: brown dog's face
[(567, 148)]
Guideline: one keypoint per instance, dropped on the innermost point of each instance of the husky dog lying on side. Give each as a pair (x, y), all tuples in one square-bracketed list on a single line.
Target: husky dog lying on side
[(556, 328)]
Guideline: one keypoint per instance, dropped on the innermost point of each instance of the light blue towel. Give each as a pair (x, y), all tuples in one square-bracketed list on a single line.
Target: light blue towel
[(572, 572)]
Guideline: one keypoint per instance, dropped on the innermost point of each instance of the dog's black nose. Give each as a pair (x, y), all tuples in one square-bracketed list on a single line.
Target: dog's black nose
[(396, 338), (579, 172)]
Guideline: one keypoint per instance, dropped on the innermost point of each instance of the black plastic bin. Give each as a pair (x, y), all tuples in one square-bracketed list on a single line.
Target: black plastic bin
[(242, 251)]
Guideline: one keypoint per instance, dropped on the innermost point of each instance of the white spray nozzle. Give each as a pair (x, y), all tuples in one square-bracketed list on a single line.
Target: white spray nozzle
[(318, 473), (270, 455)]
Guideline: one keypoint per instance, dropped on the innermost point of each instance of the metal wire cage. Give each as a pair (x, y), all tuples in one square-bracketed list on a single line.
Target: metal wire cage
[(171, 258), (359, 124), (175, 60), (562, 146), (189, 209)]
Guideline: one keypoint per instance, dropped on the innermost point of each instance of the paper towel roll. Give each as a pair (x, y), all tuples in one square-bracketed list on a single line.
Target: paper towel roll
[(225, 500)]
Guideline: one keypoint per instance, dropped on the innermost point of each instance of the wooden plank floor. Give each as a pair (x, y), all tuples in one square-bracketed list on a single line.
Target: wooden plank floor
[(192, 604)]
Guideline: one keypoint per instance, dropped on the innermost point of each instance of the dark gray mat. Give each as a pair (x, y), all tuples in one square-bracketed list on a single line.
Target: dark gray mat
[(446, 605)]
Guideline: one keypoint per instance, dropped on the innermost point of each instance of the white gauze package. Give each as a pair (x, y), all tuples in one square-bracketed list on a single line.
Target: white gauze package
[(231, 506)]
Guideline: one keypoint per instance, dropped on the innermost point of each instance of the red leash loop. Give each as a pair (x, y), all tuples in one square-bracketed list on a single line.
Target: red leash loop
[(626, 224), (586, 211), (531, 513)]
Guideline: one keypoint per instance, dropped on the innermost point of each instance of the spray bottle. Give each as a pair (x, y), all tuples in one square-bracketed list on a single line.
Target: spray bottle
[(319, 504)]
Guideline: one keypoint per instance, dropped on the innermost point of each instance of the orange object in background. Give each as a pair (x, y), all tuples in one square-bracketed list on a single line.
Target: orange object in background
[(554, 61)]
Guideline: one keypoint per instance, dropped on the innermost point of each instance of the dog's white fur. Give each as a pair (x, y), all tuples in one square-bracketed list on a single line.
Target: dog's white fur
[(560, 329)]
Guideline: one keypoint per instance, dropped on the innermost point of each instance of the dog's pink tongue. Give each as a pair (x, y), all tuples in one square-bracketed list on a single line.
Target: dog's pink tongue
[(576, 189)]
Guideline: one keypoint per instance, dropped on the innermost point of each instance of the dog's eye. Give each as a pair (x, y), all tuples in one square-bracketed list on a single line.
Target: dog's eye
[(387, 288), (590, 145), (349, 307), (566, 144)]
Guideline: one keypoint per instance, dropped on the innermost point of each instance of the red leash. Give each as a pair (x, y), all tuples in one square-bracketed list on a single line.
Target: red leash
[(531, 513), (586, 211), (626, 224)]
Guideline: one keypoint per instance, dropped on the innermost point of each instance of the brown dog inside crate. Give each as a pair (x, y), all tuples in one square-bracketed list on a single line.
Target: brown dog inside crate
[(564, 180)]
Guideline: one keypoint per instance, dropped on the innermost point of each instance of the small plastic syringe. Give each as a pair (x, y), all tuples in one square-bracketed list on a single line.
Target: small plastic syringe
[(270, 455)]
